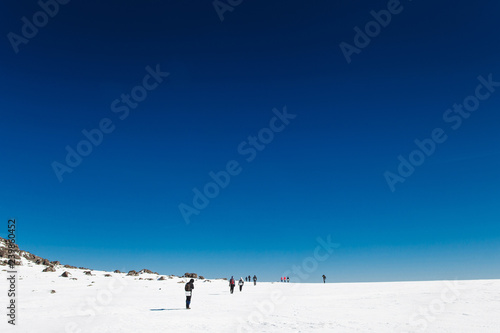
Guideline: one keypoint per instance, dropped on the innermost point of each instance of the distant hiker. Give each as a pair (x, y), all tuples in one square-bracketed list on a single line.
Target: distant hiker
[(231, 285), (287, 279), (240, 283), (324, 278), (281, 279), (189, 292), (246, 278), (255, 280), (249, 278)]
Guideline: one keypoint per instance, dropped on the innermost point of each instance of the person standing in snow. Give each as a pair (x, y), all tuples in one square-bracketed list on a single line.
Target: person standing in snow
[(324, 278), (240, 283), (231, 285), (189, 292), (281, 279), (255, 280), (249, 278), (287, 279)]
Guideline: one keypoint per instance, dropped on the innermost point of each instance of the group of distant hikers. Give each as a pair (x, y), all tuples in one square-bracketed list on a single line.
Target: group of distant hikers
[(240, 282), (249, 279), (190, 286), (287, 279)]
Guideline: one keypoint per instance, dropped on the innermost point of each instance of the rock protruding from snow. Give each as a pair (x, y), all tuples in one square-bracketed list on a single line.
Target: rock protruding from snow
[(191, 275), (132, 273), (49, 269), (19, 254), (6, 248), (66, 274)]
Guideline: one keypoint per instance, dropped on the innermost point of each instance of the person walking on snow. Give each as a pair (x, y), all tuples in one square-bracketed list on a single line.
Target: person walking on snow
[(189, 292), (324, 278), (287, 279), (231, 285), (249, 278), (255, 280), (281, 279), (241, 283)]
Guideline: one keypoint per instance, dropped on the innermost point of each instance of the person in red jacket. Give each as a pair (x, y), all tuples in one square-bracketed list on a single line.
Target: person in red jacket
[(231, 284)]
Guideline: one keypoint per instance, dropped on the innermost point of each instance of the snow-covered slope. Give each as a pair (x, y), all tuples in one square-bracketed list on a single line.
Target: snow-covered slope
[(120, 303), (97, 301)]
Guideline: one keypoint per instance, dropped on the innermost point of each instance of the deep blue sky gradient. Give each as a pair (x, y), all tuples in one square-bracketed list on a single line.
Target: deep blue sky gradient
[(323, 175)]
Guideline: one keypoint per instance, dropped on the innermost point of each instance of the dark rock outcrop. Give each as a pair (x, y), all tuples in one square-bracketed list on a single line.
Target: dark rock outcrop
[(132, 273), (191, 275), (49, 269), (66, 274), (116, 271), (17, 254)]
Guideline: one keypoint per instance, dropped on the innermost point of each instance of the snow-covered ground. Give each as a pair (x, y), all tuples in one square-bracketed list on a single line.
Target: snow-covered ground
[(126, 304)]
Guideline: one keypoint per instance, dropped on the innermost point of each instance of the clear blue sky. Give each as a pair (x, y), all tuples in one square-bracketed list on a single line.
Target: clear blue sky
[(322, 175)]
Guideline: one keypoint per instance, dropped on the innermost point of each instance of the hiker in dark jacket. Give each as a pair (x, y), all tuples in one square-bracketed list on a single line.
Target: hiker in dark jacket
[(249, 278), (231, 285), (324, 278), (240, 283), (254, 280), (189, 292)]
